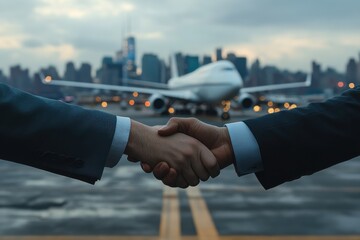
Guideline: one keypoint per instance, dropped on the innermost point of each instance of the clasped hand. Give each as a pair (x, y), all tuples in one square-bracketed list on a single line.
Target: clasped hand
[(181, 153)]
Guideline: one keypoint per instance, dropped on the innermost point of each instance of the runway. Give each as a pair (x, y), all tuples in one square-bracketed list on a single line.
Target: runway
[(128, 203)]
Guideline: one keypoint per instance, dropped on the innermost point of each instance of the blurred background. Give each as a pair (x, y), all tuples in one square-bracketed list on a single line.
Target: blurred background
[(138, 44)]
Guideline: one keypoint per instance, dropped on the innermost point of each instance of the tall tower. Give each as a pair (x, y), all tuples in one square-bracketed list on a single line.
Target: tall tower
[(130, 54), (218, 54)]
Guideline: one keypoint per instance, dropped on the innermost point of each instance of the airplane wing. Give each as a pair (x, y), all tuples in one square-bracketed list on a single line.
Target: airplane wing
[(307, 83), (171, 94)]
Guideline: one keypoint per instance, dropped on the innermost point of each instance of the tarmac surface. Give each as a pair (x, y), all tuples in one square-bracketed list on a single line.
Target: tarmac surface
[(128, 202)]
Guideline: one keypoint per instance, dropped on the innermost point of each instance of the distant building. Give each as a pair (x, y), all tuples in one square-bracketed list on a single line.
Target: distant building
[(163, 72), (84, 73), (191, 63), (130, 55), (219, 54), (180, 63), (110, 72), (351, 71), (70, 72), (151, 68), (44, 90), (3, 78), (206, 60), (240, 64), (358, 71), (20, 78)]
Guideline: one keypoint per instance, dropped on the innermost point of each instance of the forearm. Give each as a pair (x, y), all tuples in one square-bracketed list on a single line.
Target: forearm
[(54, 136)]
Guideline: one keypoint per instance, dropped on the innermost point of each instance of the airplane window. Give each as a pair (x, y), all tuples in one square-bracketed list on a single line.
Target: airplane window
[(228, 69)]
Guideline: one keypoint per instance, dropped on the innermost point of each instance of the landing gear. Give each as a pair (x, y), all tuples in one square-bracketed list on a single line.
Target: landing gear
[(225, 116)]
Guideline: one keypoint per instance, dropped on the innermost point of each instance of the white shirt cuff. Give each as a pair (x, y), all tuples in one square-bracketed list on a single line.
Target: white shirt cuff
[(120, 140), (246, 149)]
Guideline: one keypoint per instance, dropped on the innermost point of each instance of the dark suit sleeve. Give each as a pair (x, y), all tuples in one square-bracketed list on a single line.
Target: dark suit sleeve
[(54, 136), (306, 140)]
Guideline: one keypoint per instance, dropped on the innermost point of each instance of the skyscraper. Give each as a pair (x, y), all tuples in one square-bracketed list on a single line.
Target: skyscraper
[(20, 78), (84, 73), (70, 72), (206, 60), (180, 63), (191, 63), (151, 68), (218, 54), (110, 72), (130, 55), (3, 78), (239, 63), (351, 71)]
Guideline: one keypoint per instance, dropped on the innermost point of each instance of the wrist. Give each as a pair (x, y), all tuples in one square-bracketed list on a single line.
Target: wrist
[(227, 148), (134, 139)]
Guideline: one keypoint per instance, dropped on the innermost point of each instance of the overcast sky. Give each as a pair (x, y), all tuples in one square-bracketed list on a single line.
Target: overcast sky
[(286, 33)]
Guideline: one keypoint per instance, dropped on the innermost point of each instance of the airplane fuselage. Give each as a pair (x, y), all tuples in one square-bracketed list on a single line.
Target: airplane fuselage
[(211, 83)]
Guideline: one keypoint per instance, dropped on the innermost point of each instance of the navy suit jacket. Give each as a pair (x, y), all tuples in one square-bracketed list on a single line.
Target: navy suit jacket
[(306, 140), (54, 136)]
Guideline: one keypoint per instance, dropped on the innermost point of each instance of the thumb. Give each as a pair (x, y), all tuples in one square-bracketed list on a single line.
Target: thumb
[(170, 128)]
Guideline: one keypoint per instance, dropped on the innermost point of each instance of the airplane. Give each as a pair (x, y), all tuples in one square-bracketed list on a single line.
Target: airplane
[(211, 85)]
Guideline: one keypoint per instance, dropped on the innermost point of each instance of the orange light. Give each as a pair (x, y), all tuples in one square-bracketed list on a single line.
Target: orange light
[(116, 99), (135, 94), (270, 104), (293, 106), (98, 99), (257, 108), (48, 79), (171, 110), (147, 104), (104, 104), (131, 102), (271, 110), (286, 105), (340, 84), (277, 109), (351, 85)]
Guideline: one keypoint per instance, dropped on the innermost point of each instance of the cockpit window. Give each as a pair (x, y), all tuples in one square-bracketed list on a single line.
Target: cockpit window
[(228, 69)]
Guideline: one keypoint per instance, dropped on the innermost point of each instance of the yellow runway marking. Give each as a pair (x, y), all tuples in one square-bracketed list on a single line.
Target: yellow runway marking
[(204, 224), (170, 228)]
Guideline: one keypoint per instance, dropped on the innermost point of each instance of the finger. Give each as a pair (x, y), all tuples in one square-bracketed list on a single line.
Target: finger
[(132, 159), (170, 128), (146, 167), (161, 170), (181, 182), (209, 161), (171, 178), (199, 169), (190, 176)]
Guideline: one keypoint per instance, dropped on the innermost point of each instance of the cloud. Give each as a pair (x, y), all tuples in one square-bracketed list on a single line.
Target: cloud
[(9, 37), (62, 52), (86, 9)]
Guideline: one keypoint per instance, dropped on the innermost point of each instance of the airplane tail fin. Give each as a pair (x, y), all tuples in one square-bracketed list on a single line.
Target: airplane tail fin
[(174, 66)]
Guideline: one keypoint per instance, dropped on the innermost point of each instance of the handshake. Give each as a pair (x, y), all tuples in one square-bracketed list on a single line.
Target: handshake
[(181, 153)]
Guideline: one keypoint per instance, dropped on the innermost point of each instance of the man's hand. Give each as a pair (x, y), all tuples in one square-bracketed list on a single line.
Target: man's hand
[(188, 156), (215, 138)]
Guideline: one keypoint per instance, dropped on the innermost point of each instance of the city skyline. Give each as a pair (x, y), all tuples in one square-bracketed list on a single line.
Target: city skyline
[(287, 34)]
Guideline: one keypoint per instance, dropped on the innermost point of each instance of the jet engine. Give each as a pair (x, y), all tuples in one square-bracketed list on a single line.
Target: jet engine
[(158, 103), (246, 100)]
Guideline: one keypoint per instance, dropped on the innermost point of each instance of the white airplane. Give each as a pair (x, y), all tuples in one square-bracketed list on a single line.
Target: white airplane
[(210, 85)]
